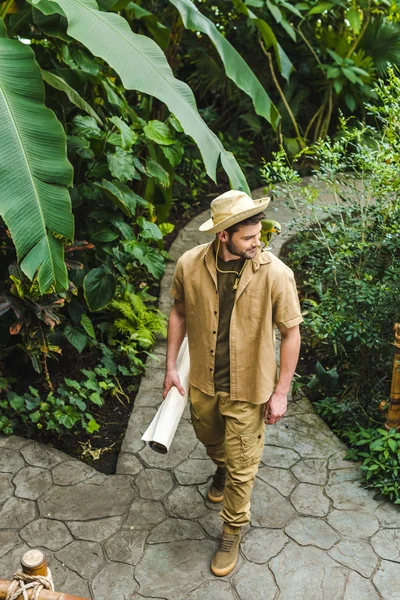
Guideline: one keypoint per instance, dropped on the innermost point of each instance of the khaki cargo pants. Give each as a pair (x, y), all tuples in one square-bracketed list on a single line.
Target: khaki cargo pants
[(233, 434)]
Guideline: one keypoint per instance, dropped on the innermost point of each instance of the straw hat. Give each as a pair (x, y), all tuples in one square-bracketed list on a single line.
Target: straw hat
[(231, 208)]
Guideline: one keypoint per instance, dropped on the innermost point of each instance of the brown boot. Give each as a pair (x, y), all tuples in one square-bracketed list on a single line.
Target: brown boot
[(216, 491), (225, 558)]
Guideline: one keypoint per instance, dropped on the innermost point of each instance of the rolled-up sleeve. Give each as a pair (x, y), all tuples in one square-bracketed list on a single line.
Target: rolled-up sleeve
[(177, 290), (285, 301)]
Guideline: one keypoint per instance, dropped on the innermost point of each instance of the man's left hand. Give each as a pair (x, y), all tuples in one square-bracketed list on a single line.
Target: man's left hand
[(275, 408)]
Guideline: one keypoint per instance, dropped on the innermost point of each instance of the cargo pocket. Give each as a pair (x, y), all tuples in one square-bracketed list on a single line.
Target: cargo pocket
[(251, 447), (195, 420)]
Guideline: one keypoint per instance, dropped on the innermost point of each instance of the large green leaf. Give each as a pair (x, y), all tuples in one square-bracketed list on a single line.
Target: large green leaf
[(269, 38), (99, 288), (236, 67), (59, 84), (142, 66), (34, 170)]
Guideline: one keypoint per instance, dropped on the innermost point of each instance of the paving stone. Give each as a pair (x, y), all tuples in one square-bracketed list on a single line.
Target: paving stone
[(388, 514), (355, 554), (128, 464), (85, 558), (31, 482), (337, 461), (87, 500), (149, 397), (145, 514), (16, 513), (212, 523), (13, 442), (310, 500), (173, 530), (281, 479), (180, 567), (387, 580), (183, 444), (11, 562), (199, 452), (386, 543), (308, 572), (260, 545), (311, 470), (10, 461), (71, 472), (47, 533), (349, 495), (126, 546), (340, 475), (253, 582), (212, 590), (269, 508), (39, 455), (359, 588), (140, 417), (192, 471), (154, 484), (185, 502), (6, 487), (8, 541), (308, 531), (115, 581), (95, 531), (273, 456), (317, 445), (75, 585), (353, 524)]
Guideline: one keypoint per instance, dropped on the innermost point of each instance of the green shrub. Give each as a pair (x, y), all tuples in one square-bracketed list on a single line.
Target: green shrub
[(380, 452), (346, 255)]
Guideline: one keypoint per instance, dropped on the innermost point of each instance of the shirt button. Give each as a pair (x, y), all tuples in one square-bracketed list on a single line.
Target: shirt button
[(210, 368), (215, 312), (214, 332), (212, 351)]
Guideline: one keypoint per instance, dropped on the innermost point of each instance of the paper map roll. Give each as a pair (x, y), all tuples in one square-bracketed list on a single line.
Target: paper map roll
[(161, 431)]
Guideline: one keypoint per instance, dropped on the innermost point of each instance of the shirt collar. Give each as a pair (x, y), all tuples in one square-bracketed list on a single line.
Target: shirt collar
[(261, 258)]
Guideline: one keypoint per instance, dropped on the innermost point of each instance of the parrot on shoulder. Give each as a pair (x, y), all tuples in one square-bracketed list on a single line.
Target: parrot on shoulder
[(268, 228)]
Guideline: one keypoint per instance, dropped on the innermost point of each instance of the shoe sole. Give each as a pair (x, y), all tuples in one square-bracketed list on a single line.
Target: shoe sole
[(214, 499), (226, 571)]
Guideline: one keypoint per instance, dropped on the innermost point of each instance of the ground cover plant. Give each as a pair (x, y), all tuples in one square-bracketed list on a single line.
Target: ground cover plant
[(347, 257)]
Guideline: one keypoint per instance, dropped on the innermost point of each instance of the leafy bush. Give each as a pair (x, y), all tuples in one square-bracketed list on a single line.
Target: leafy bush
[(380, 452), (347, 259)]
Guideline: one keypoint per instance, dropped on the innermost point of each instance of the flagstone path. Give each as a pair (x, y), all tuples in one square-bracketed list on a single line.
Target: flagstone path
[(148, 532)]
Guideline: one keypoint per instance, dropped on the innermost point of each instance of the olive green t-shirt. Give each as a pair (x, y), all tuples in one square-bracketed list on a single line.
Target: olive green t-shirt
[(226, 295)]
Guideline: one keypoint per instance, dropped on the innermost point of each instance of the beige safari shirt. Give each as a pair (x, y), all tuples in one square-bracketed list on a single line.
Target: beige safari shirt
[(266, 296)]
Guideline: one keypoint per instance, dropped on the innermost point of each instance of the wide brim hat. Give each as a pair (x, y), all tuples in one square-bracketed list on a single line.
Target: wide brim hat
[(230, 208)]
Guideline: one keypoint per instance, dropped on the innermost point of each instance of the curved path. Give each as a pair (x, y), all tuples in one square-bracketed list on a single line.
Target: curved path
[(149, 532)]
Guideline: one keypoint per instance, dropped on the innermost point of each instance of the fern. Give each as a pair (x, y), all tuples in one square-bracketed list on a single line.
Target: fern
[(138, 322)]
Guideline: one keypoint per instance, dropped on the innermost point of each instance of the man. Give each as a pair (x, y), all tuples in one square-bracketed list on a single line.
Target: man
[(228, 297)]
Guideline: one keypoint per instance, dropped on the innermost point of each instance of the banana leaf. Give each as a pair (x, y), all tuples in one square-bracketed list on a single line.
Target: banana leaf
[(34, 170), (142, 66), (236, 67)]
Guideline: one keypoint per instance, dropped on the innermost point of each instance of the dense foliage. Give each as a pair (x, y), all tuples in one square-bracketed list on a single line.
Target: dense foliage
[(347, 256)]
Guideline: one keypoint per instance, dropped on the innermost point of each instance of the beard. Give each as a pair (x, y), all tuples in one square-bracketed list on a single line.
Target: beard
[(234, 250)]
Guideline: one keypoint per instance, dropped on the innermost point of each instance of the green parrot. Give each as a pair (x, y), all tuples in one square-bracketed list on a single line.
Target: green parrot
[(268, 228)]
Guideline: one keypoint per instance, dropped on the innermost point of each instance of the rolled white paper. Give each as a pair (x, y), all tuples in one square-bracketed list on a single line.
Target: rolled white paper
[(161, 431)]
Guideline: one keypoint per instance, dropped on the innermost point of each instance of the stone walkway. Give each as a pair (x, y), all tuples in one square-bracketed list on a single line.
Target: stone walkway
[(149, 532)]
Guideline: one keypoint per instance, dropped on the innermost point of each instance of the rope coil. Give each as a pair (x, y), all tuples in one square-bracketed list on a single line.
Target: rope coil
[(22, 583)]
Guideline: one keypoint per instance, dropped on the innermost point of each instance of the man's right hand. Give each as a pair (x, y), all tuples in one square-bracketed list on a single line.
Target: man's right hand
[(172, 379)]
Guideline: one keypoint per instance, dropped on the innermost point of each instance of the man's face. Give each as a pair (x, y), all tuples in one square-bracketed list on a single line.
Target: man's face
[(245, 241)]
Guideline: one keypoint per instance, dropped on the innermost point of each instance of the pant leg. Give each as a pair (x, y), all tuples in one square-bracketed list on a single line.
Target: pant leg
[(208, 423), (244, 444)]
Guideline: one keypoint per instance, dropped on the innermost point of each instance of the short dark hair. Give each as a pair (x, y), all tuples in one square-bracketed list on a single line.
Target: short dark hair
[(250, 221)]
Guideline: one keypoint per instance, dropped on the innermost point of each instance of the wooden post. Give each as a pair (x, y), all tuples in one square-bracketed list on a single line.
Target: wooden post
[(393, 415), (44, 594), (33, 563)]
